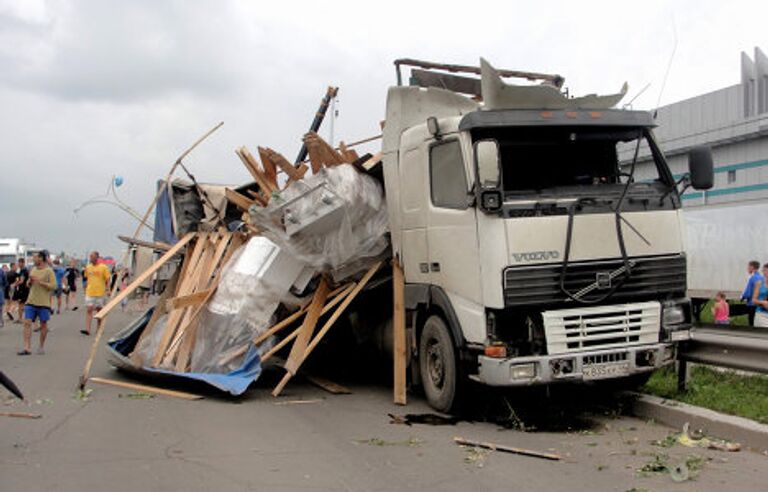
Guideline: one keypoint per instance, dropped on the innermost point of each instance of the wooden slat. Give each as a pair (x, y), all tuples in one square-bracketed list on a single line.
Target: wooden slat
[(185, 287), (252, 165), (295, 333), (329, 386), (270, 170), (186, 301), (190, 329), (148, 389), (258, 197), (398, 318), (308, 326), (160, 311), (328, 324), (241, 201), (146, 274), (281, 162)]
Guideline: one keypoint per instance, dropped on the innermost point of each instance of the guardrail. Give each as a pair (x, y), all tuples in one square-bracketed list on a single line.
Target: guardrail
[(733, 347)]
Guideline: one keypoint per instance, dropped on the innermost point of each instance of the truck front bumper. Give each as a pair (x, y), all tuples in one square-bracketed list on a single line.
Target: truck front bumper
[(574, 366)]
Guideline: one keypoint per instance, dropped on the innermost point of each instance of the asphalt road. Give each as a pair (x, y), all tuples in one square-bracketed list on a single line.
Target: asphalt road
[(116, 440)]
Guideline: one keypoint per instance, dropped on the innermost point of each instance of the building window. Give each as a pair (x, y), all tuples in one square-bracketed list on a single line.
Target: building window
[(447, 178), (731, 176)]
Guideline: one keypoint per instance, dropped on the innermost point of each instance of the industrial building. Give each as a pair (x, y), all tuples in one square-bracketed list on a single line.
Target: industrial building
[(733, 121)]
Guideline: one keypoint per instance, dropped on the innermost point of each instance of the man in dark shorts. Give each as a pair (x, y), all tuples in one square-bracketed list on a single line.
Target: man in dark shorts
[(22, 289), (70, 286), (42, 282)]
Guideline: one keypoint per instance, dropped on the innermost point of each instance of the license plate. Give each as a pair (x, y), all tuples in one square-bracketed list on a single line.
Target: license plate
[(602, 371)]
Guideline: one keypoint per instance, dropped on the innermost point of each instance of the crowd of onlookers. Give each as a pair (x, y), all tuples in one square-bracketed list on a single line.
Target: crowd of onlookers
[(755, 296), (32, 294)]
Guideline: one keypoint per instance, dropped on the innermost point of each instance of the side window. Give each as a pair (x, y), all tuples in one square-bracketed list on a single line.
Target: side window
[(447, 179)]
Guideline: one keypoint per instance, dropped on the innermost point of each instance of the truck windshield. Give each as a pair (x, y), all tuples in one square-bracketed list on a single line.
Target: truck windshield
[(576, 161)]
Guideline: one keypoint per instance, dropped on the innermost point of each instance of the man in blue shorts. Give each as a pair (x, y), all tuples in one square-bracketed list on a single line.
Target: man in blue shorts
[(42, 282)]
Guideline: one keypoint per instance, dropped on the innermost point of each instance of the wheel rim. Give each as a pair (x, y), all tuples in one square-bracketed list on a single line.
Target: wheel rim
[(435, 364)]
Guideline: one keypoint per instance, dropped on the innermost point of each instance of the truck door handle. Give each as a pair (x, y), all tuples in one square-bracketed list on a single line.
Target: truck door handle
[(435, 267)]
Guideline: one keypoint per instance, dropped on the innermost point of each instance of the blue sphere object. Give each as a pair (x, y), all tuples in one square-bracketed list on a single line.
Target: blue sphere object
[(118, 180)]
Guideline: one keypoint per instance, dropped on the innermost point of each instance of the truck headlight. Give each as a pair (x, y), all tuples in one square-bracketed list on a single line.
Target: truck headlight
[(673, 314)]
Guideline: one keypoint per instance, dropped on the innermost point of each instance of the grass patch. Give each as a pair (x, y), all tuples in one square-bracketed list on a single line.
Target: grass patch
[(706, 315), (722, 391)]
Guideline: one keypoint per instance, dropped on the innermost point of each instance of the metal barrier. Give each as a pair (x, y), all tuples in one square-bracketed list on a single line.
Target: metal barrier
[(733, 347)]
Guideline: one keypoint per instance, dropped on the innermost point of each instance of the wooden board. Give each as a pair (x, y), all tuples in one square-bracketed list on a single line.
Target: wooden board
[(240, 201), (329, 386), (328, 324), (253, 167), (148, 389), (308, 326), (398, 325), (186, 301), (146, 274), (156, 245)]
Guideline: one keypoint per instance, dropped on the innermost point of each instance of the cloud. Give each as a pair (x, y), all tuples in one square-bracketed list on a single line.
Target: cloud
[(90, 89)]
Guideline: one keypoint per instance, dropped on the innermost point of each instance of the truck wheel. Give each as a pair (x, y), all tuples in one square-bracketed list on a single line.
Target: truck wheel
[(438, 365)]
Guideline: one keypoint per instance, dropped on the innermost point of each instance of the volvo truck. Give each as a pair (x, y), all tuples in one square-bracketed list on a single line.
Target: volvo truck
[(531, 254)]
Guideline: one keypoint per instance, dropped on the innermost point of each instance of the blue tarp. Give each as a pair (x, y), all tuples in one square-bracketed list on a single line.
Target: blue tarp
[(164, 232), (234, 383)]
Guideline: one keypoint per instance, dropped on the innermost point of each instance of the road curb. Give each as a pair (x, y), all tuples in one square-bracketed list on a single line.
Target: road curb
[(674, 414)]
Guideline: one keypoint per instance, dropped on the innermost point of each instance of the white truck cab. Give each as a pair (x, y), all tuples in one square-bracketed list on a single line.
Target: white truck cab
[(531, 255)]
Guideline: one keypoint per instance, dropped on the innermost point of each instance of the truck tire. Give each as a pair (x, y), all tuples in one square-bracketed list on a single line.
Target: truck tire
[(438, 365)]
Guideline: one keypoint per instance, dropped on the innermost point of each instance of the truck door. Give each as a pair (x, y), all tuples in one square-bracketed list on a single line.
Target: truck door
[(452, 234)]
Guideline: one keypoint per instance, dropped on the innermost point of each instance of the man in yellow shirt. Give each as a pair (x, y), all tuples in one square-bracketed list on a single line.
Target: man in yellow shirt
[(42, 281), (97, 276)]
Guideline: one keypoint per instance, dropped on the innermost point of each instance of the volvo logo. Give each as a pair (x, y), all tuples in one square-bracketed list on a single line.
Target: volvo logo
[(536, 256), (603, 280)]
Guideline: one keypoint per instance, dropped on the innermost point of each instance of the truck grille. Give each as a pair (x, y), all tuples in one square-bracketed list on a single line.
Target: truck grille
[(572, 330), (652, 277)]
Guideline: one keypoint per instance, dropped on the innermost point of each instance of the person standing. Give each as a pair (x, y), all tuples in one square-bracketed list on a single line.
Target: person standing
[(720, 310), (70, 285), (753, 269), (42, 281), (97, 275), (760, 300), (11, 276), (59, 271), (21, 287)]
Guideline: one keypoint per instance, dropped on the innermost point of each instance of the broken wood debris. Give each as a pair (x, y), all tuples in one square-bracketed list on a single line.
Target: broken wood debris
[(147, 389), (21, 415), (169, 338), (506, 449)]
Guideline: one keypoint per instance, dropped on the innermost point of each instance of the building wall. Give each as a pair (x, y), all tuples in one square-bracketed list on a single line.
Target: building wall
[(733, 121)]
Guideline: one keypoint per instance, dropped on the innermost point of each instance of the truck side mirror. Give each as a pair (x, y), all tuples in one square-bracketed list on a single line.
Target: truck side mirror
[(700, 168), (488, 168)]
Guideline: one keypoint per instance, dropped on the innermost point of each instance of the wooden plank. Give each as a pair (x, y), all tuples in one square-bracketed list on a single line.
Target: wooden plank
[(236, 240), (258, 197), (21, 415), (185, 287), (316, 159), (329, 386), (240, 201), (293, 317), (278, 160), (507, 449), (308, 326), (115, 301), (252, 165), (270, 170), (398, 325), (328, 324), (199, 281), (190, 329), (160, 311), (148, 389), (186, 301), (295, 333)]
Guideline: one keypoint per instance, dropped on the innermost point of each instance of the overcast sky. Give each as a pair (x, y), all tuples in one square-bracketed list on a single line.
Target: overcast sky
[(91, 89)]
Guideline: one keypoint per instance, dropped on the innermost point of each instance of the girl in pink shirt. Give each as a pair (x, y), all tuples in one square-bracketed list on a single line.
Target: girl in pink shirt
[(720, 310)]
